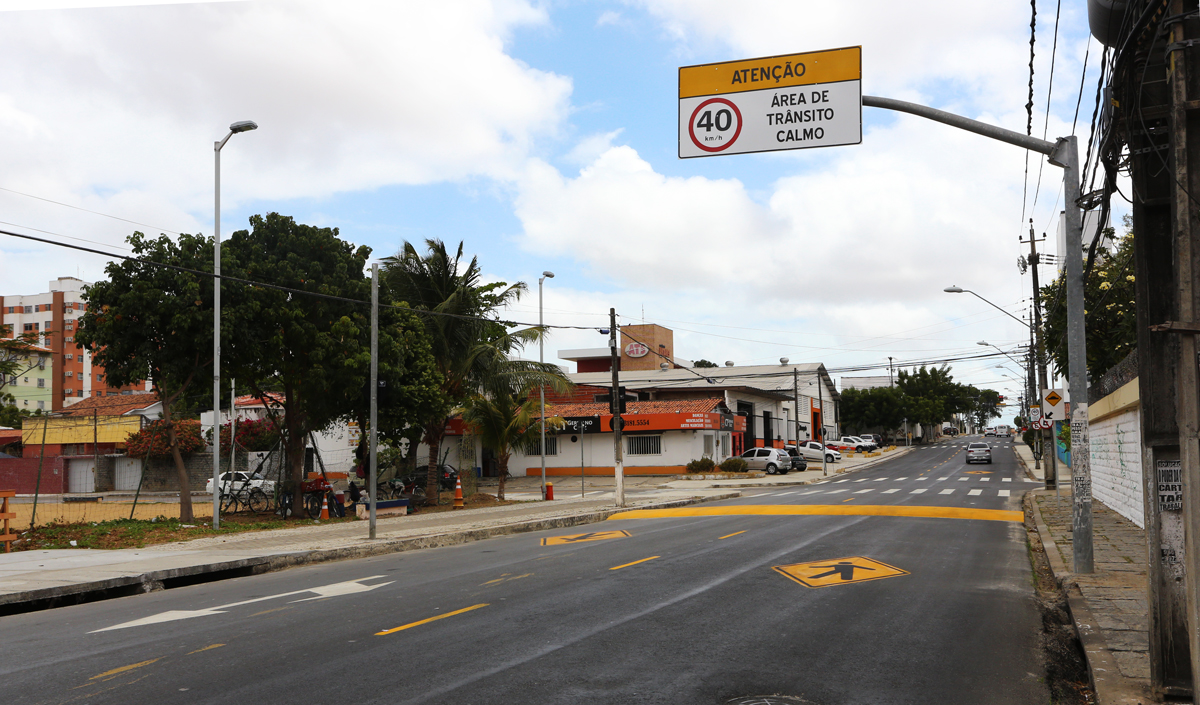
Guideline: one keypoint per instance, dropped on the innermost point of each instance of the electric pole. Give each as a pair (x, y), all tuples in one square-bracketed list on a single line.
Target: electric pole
[(617, 421), (1046, 435)]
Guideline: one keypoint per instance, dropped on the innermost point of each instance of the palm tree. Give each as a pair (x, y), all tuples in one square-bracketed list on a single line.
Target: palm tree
[(504, 420), (471, 346)]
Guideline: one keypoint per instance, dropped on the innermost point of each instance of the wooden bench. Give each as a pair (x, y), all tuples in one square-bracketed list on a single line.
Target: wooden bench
[(7, 537)]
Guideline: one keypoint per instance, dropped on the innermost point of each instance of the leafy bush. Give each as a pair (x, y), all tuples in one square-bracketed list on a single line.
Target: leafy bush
[(701, 466), (734, 465), (1028, 436), (153, 442), (257, 435)]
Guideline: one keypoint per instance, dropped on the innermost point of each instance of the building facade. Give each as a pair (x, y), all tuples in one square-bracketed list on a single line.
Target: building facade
[(54, 317), (30, 385)]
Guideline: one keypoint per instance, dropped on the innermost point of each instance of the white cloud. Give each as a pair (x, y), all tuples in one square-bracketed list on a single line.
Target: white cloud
[(608, 17), (112, 107)]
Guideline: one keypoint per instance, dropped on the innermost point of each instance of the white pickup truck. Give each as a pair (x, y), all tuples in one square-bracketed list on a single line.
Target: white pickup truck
[(239, 481)]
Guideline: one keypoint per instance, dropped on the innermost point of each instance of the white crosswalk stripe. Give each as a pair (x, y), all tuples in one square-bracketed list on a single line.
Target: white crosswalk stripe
[(943, 478), (880, 479), (1003, 493), (901, 479), (892, 491), (862, 480), (836, 482), (946, 492), (864, 491), (813, 492), (782, 494), (837, 491), (961, 479), (1006, 479), (922, 478), (919, 490), (985, 479), (975, 493)]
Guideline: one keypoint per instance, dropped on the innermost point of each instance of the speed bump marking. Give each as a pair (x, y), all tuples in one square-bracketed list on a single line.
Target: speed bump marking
[(978, 472), (580, 538), (839, 571)]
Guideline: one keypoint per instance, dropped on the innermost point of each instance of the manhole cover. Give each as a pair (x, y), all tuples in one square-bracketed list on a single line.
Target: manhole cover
[(768, 700)]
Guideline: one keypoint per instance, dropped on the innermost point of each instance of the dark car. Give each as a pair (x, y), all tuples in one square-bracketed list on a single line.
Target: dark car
[(878, 440), (799, 464)]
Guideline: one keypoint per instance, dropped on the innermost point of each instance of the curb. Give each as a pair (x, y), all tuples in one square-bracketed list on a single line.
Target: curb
[(1100, 662), (153, 581)]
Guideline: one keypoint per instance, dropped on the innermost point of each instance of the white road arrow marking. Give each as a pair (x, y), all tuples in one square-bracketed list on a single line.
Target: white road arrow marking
[(349, 587)]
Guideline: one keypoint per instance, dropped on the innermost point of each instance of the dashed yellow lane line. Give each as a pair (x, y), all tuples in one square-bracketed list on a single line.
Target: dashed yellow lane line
[(825, 510), (123, 669), (431, 619), (634, 563), (210, 646), (726, 536)]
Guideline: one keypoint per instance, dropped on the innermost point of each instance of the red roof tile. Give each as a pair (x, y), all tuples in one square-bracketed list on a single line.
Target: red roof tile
[(671, 406), (115, 405)]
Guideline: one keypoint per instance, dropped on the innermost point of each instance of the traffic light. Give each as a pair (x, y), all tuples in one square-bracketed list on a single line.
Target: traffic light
[(625, 397)]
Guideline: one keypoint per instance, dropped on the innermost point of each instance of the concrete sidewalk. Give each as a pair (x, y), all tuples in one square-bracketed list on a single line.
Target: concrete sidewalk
[(1108, 606), (48, 578)]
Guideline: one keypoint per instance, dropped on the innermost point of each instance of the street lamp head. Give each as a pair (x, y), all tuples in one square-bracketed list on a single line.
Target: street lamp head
[(548, 275), (983, 342), (243, 126), (953, 290)]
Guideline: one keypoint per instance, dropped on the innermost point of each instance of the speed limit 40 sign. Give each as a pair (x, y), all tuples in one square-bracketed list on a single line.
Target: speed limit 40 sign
[(796, 101)]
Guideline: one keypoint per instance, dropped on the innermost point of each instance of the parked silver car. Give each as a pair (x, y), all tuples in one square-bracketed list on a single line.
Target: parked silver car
[(772, 460), (979, 452)]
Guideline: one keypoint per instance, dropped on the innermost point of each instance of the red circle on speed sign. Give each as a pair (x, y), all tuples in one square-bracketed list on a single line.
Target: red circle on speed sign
[(712, 119)]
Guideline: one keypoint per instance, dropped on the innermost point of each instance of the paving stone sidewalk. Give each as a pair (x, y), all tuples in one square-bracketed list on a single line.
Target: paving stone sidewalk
[(1110, 605)]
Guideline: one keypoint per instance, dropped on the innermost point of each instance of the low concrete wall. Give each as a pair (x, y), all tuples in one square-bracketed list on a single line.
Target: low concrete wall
[(1116, 452)]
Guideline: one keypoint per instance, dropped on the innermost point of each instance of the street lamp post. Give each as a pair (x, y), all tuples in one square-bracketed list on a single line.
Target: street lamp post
[(242, 126), (542, 388)]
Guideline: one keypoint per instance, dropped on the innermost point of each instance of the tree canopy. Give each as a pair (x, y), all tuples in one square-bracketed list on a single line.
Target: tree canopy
[(149, 322), (924, 395)]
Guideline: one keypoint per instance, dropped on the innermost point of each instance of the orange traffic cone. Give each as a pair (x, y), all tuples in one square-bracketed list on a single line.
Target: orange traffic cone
[(325, 506), (458, 498)]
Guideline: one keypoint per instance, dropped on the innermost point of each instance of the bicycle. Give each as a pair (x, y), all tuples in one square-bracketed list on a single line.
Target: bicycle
[(252, 498)]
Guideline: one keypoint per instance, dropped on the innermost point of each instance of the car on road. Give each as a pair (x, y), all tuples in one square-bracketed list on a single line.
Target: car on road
[(813, 450), (239, 481), (979, 453), (989, 432), (772, 460)]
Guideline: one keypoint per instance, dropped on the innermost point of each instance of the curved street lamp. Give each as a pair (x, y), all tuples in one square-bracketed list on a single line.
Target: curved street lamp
[(235, 128), (541, 388)]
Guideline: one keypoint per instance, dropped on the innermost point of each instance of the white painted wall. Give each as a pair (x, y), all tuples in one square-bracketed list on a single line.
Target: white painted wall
[(1117, 464)]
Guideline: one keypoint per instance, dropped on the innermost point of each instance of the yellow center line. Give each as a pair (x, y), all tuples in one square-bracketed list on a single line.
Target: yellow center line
[(888, 510), (634, 563), (122, 669), (733, 534), (210, 646), (848, 500), (431, 619)]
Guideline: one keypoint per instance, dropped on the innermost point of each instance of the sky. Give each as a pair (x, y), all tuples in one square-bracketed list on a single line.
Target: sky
[(543, 135)]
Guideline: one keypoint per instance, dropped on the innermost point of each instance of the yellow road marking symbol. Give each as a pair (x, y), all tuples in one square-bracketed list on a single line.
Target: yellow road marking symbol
[(505, 578), (579, 538), (839, 571), (978, 472), (123, 669), (726, 536), (634, 563), (431, 619)]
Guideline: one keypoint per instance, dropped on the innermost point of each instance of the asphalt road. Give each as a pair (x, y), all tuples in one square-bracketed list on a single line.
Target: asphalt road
[(683, 609)]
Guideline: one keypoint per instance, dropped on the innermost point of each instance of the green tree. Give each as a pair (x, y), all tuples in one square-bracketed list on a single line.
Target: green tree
[(986, 405), (505, 417), (703, 363), (1110, 318), (149, 322), (469, 343), (314, 350), (881, 407)]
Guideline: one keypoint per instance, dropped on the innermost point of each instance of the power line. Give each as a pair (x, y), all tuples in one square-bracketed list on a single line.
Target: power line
[(87, 210), (277, 287), (1049, 93)]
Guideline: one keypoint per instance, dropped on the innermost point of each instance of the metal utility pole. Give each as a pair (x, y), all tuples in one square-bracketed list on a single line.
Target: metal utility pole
[(796, 411), (821, 428), (372, 491), (617, 421), (1047, 435), (542, 388), (1063, 153)]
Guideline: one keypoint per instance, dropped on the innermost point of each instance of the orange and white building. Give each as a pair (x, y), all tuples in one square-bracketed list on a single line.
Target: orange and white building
[(54, 316)]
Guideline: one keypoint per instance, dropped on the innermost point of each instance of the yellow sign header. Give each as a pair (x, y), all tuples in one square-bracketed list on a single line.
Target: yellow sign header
[(807, 69)]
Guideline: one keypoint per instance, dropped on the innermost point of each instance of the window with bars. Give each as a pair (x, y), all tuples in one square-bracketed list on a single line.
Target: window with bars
[(709, 445), (534, 445), (644, 445)]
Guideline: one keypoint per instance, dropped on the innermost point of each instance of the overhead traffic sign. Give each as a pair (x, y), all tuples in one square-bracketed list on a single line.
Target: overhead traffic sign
[(839, 571), (794, 101)]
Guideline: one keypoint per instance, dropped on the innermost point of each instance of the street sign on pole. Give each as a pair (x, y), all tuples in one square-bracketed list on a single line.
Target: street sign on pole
[(1053, 404), (795, 101)]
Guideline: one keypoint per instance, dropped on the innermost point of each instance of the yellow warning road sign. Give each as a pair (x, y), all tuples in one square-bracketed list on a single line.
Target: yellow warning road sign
[(580, 538), (1053, 398), (839, 571)]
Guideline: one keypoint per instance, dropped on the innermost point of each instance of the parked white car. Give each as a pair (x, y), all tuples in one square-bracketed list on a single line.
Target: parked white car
[(812, 450), (856, 443), (240, 481)]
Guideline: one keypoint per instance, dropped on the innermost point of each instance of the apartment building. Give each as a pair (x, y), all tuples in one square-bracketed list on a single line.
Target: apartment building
[(29, 386), (53, 316)]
